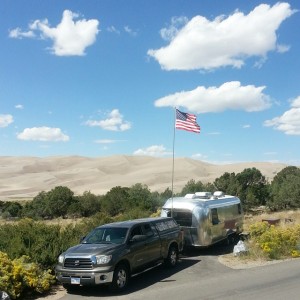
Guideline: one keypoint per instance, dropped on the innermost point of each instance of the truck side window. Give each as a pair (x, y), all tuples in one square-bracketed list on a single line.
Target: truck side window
[(148, 231), (136, 231), (214, 216), (154, 230)]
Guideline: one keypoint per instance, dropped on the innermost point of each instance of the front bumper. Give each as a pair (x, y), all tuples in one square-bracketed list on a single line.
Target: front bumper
[(86, 277)]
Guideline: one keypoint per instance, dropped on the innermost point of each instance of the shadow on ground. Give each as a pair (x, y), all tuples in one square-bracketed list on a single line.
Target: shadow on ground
[(138, 282), (221, 248)]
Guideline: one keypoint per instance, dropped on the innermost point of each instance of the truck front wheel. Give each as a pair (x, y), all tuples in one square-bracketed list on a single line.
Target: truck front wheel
[(172, 257), (120, 278)]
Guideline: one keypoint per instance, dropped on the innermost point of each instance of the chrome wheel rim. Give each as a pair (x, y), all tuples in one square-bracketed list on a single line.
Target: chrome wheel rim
[(173, 257), (121, 282)]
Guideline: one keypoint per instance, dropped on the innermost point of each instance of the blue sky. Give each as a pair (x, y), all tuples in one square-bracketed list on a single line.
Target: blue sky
[(100, 78)]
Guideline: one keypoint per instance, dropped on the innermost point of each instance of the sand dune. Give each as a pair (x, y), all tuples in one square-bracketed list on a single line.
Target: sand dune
[(25, 177)]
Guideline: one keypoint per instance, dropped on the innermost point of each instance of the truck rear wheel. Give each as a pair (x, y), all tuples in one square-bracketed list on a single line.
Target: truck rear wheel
[(172, 257), (120, 278)]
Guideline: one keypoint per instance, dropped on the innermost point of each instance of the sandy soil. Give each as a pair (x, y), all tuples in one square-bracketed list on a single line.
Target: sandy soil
[(25, 177), (234, 262)]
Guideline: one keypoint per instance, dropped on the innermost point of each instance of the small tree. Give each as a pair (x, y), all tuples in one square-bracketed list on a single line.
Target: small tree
[(227, 183), (140, 196), (12, 209), (285, 189), (89, 204), (114, 202), (58, 201), (252, 188), (37, 208), (192, 187)]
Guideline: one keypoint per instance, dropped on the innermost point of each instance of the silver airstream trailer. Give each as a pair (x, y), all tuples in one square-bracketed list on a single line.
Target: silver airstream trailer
[(205, 218)]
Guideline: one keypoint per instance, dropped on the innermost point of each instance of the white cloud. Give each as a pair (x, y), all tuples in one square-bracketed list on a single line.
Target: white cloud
[(43, 134), (155, 150), (230, 95), (69, 37), (224, 41), (19, 106), (130, 31), (114, 122), (106, 142), (169, 33), (113, 29), (289, 121), (283, 48), (6, 120), (17, 33), (246, 126), (296, 102)]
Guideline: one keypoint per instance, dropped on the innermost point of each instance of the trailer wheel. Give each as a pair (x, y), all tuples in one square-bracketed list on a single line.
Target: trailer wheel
[(231, 239), (172, 257), (120, 278)]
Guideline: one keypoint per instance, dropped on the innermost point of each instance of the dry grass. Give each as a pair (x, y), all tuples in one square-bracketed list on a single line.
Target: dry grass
[(285, 217), (255, 256)]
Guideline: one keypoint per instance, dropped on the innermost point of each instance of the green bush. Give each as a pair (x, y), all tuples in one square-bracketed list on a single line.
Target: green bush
[(20, 276), (34, 239)]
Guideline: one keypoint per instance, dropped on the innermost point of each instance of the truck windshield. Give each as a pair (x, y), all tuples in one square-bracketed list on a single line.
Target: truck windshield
[(106, 235)]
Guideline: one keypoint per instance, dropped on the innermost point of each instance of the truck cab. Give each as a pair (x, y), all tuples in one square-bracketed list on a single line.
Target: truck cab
[(111, 253)]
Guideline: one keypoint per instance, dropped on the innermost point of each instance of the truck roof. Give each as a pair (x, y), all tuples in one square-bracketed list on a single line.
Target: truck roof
[(130, 223)]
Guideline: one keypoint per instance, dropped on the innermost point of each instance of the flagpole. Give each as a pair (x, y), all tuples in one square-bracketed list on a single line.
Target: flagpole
[(173, 162)]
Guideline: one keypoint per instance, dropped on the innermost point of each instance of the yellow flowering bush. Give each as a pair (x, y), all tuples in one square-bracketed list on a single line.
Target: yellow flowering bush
[(20, 275), (276, 241)]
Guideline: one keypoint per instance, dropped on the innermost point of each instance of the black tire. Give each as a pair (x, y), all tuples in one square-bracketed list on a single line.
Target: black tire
[(172, 258), (120, 278), (231, 239)]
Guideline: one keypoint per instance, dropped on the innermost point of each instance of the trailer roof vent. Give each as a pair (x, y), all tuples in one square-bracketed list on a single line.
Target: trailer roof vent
[(219, 194), (189, 196), (203, 195)]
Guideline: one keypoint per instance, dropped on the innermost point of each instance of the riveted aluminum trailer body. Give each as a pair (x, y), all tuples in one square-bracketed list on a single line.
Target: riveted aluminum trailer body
[(205, 218)]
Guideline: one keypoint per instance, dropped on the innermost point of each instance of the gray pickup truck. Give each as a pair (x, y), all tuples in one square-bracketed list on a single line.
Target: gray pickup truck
[(111, 253)]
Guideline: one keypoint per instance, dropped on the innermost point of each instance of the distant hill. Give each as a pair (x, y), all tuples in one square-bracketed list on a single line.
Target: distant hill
[(25, 177)]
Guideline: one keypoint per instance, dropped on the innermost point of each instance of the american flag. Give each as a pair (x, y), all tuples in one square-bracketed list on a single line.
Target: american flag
[(186, 122)]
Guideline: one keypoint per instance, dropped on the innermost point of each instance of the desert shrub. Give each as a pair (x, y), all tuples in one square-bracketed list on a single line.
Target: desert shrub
[(20, 276), (276, 241), (258, 228), (42, 242), (31, 238)]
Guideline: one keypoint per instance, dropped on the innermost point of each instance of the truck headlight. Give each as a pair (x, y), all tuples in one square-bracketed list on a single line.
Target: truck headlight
[(61, 259), (103, 259)]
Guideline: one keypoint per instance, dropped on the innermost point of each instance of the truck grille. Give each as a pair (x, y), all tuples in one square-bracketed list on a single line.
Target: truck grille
[(78, 263)]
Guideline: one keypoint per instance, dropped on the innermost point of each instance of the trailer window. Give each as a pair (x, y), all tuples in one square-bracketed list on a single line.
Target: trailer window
[(183, 218), (239, 208), (214, 216)]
